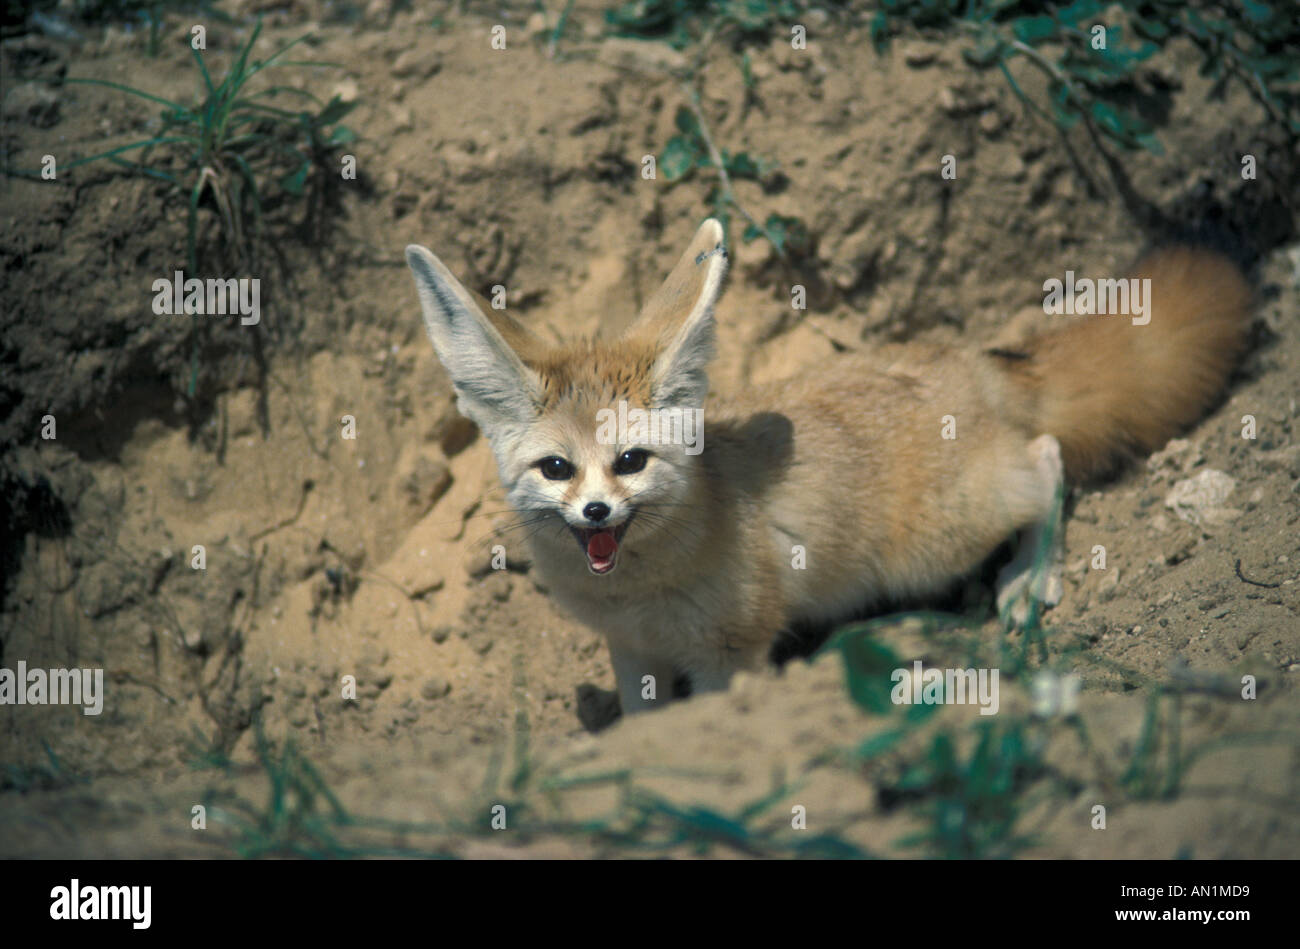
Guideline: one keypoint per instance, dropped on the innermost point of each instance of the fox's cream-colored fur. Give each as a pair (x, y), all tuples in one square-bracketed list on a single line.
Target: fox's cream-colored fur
[(822, 494)]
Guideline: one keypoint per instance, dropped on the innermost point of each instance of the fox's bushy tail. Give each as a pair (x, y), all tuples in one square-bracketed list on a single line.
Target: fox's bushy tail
[(1110, 390)]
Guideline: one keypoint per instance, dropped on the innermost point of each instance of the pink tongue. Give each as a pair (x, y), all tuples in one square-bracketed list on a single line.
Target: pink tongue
[(602, 546)]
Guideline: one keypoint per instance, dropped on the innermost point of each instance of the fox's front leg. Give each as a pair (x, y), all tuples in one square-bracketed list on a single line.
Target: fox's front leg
[(643, 682)]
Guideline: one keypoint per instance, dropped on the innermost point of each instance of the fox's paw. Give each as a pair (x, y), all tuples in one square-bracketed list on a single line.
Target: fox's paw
[(1032, 581), (1021, 586)]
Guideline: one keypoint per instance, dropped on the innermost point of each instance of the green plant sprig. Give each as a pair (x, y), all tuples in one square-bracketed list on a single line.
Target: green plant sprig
[(1090, 78), (229, 141)]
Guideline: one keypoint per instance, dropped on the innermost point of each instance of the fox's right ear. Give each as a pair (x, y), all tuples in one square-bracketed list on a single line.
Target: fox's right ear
[(492, 383), (679, 320)]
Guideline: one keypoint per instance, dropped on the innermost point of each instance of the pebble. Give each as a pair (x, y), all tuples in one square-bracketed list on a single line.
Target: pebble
[(435, 688), (1200, 499), (415, 63)]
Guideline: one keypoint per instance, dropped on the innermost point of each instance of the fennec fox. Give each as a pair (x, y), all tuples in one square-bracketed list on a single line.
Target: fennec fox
[(807, 500)]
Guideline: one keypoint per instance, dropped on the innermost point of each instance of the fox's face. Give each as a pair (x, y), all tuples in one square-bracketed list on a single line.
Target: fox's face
[(596, 442), (572, 478)]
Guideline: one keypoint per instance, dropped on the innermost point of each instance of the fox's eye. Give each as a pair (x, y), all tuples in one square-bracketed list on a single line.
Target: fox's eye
[(555, 469), (630, 462)]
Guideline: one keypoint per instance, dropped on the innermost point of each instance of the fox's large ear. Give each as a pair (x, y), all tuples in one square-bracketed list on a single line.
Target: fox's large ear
[(492, 382), (679, 320)]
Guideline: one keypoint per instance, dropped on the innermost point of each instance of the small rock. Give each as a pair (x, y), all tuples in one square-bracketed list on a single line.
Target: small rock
[(403, 118), (640, 56), (416, 62), (32, 102), (991, 123), (434, 688), (919, 56), (959, 100), (345, 90), (1199, 500)]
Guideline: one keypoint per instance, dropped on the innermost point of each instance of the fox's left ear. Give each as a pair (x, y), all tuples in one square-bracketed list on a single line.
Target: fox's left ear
[(679, 320), (493, 385)]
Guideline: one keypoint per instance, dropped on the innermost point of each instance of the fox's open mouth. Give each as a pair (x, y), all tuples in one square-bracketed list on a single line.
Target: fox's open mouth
[(600, 545)]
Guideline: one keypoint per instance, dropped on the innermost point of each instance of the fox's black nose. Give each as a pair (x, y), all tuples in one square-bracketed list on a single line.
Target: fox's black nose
[(595, 511)]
